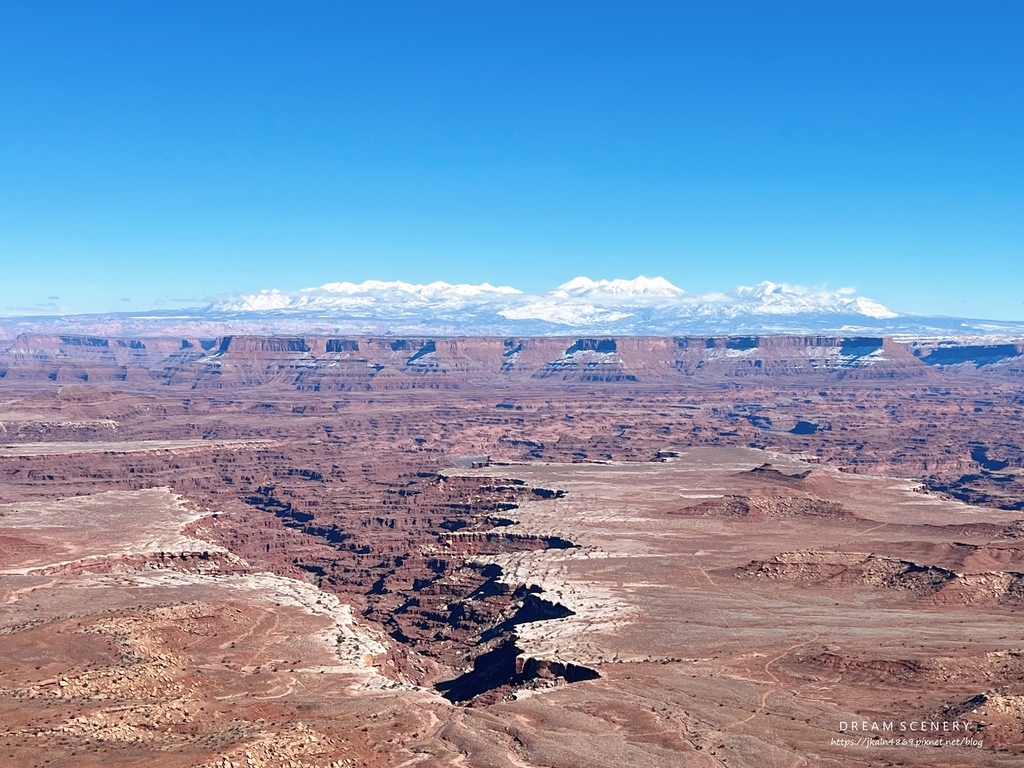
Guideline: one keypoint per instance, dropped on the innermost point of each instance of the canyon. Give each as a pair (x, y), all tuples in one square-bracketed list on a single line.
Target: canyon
[(509, 551)]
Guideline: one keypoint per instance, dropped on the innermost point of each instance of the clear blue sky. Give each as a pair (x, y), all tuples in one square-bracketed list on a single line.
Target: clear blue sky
[(166, 152)]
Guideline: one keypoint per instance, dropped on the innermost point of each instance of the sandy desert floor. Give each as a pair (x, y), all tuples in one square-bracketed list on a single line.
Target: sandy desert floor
[(719, 607)]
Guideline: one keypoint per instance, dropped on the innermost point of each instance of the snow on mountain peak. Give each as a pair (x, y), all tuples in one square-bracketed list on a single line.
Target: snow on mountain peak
[(786, 299), (640, 305), (638, 287), (874, 309), (345, 295)]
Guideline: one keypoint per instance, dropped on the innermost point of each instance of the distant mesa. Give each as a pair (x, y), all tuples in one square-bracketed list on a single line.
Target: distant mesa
[(354, 362)]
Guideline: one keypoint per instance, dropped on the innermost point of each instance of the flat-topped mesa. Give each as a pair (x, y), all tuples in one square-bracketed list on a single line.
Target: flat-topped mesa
[(971, 356), (351, 362), (90, 347), (768, 342), (70, 358), (247, 345)]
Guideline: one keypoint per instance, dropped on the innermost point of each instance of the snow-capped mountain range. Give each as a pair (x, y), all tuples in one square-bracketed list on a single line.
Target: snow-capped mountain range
[(639, 307)]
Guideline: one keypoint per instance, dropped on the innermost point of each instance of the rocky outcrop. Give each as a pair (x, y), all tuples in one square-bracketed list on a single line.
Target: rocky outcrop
[(851, 569), (766, 507), (201, 562), (937, 584)]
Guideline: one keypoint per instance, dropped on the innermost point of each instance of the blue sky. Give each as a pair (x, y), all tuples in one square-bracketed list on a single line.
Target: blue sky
[(154, 154)]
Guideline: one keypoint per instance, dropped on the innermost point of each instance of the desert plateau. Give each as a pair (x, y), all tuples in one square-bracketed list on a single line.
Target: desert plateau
[(299, 552)]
